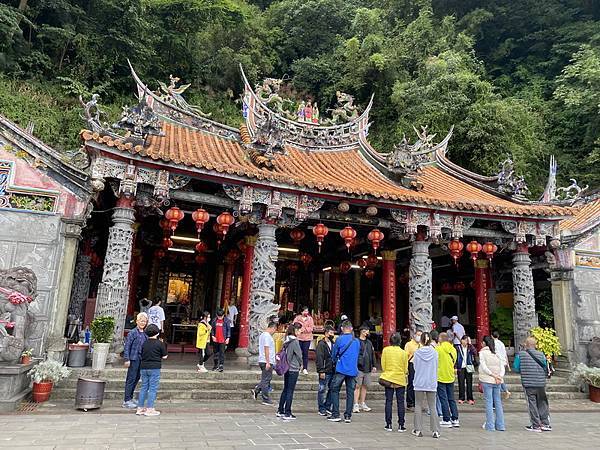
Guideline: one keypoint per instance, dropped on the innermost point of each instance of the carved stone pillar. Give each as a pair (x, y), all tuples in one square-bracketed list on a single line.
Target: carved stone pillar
[(482, 311), (72, 235), (419, 287), (262, 293), (242, 348), (81, 286), (357, 318), (388, 278), (523, 295), (113, 290), (335, 289)]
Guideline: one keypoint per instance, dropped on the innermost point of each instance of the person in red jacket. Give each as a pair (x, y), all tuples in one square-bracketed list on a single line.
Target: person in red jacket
[(306, 335), (219, 336)]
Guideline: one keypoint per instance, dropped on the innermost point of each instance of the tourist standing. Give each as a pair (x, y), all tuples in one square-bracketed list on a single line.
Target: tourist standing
[(266, 362), (153, 352), (306, 335), (532, 366), (491, 373), (446, 377), (293, 354), (133, 358), (202, 340), (394, 366), (325, 371), (145, 305), (501, 352), (345, 356), (411, 347), (425, 382), (465, 367), (220, 334), (458, 331), (366, 366), (156, 314)]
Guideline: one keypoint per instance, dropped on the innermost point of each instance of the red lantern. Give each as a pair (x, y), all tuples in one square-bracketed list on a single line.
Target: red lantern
[(225, 219), (446, 288), (348, 234), (167, 243), (164, 225), (320, 231), (345, 267), (375, 236), (200, 259), (369, 273), (372, 261), (362, 263), (474, 248), (459, 286), (489, 248), (456, 250), (159, 253), (174, 215), (306, 259), (200, 216), (297, 235), (293, 267), (201, 247)]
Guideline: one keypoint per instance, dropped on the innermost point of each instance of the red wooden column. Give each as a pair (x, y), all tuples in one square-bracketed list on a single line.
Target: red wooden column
[(244, 309), (230, 260), (389, 295), (335, 304), (482, 309)]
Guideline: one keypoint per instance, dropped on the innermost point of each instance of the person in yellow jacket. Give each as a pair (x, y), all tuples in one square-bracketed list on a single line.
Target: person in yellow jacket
[(202, 336), (394, 365), (446, 376)]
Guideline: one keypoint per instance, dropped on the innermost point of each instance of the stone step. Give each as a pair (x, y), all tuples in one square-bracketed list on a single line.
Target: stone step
[(302, 385), (60, 393)]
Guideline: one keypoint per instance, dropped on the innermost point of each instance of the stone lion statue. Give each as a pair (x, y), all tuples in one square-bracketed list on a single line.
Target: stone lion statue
[(594, 352), (18, 288)]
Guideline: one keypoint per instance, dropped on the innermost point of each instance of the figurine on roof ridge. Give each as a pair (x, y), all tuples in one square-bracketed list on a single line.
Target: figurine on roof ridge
[(172, 94)]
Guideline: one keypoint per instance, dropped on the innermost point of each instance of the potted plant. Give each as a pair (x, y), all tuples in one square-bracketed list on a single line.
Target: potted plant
[(102, 335), (44, 375), (26, 356), (547, 342), (590, 376)]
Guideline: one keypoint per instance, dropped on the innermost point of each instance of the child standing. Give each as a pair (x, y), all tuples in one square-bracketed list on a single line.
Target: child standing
[(201, 341), (153, 352)]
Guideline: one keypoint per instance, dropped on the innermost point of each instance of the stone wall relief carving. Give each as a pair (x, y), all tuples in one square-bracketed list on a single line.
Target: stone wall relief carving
[(419, 287), (525, 317), (538, 232), (435, 222)]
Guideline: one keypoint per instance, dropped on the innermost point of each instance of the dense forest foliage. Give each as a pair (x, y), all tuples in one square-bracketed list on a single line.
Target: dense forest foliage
[(519, 77)]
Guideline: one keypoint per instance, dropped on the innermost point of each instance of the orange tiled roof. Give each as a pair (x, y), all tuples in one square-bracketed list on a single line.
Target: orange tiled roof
[(586, 216), (341, 171)]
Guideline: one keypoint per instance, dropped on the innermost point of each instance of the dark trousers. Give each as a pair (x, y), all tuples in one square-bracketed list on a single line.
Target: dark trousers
[(133, 376), (389, 401), (304, 345), (465, 379), (264, 386), (336, 386), (445, 393), (410, 390), (202, 356), (324, 394), (287, 395), (539, 409), (219, 354)]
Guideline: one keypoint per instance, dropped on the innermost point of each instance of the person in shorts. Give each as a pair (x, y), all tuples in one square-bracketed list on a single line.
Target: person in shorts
[(366, 366)]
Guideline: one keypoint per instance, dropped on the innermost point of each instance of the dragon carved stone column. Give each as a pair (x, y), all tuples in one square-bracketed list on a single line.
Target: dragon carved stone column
[(524, 296), (262, 292), (419, 287), (113, 291)]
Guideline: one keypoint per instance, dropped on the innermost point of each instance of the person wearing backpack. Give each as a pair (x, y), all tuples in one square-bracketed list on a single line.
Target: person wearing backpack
[(345, 356), (532, 366), (293, 360), (325, 371)]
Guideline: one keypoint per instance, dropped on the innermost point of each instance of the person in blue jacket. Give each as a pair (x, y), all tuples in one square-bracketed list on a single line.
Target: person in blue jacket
[(345, 356)]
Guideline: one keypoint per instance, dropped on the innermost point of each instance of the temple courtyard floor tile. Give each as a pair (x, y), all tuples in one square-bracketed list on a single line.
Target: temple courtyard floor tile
[(246, 425)]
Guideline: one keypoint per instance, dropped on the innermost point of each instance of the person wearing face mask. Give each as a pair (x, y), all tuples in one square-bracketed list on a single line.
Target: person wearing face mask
[(411, 347), (306, 335), (325, 371), (133, 358), (202, 340)]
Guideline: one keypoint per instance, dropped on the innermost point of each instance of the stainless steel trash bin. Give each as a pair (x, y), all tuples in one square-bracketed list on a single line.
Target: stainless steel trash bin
[(77, 355), (89, 394)]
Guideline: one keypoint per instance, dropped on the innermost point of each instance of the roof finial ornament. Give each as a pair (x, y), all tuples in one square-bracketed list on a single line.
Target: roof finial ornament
[(92, 113), (571, 193), (561, 195), (172, 94), (344, 111), (267, 143), (140, 120), (511, 184)]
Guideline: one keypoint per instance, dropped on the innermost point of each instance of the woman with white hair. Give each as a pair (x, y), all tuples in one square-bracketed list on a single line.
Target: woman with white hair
[(133, 357)]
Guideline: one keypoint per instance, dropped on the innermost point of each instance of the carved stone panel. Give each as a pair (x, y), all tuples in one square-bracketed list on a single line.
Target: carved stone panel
[(525, 317), (419, 287)]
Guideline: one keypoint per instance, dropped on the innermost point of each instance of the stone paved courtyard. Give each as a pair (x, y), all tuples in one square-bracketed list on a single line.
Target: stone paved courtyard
[(250, 426)]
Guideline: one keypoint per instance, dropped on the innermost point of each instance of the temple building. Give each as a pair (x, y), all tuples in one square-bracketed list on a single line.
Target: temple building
[(289, 209)]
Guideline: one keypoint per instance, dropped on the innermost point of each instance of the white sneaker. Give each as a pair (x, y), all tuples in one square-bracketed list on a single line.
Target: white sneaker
[(356, 408), (202, 369), (365, 408), (456, 423), (305, 372), (445, 424)]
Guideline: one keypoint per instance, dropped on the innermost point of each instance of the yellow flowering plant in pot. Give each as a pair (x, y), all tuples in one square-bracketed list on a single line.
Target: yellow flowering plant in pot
[(547, 341)]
